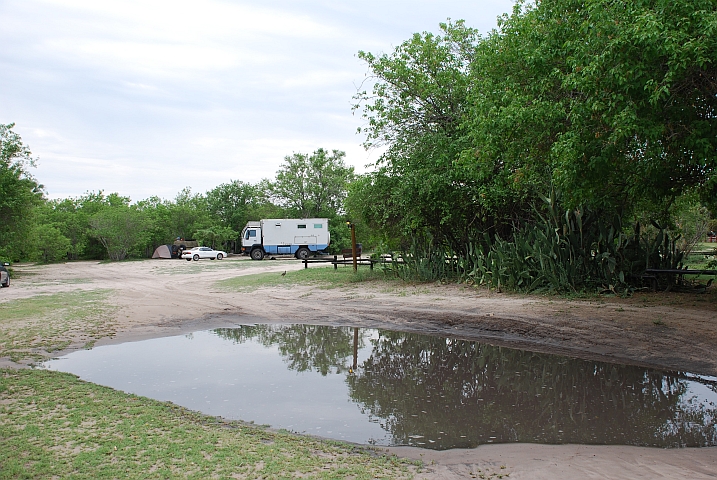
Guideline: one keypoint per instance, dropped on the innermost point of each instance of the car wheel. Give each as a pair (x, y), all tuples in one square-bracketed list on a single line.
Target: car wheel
[(189, 259), (257, 254), (302, 253), (212, 258), (6, 284), (219, 256), (195, 257)]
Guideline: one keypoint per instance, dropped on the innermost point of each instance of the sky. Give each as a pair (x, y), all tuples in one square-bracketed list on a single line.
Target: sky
[(147, 97)]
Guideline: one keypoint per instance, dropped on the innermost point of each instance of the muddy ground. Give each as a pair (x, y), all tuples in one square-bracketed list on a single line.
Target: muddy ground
[(669, 331)]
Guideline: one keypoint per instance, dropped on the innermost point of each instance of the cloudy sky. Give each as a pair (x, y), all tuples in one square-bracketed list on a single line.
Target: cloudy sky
[(147, 97)]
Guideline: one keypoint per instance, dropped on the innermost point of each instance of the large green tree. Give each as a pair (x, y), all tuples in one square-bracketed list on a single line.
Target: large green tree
[(232, 203), (313, 185), (612, 102), (73, 222), (414, 107), (119, 229), (19, 194)]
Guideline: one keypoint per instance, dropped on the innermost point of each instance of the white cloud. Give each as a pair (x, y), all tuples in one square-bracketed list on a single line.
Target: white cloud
[(146, 97)]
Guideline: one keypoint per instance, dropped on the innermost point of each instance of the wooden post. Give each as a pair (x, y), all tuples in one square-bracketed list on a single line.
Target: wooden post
[(355, 348), (306, 263), (336, 263), (353, 246)]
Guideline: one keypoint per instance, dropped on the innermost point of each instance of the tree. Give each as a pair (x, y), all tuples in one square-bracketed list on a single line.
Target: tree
[(119, 229), (417, 108), (19, 193), (69, 217), (231, 203), (188, 214), (313, 185), (50, 245), (215, 236), (611, 101)]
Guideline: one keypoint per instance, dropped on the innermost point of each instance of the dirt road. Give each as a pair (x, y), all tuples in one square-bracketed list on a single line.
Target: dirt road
[(670, 331)]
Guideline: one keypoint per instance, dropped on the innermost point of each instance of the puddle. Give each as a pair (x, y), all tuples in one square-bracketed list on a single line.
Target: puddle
[(392, 388)]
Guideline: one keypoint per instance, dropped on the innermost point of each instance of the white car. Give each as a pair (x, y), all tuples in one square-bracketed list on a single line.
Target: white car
[(202, 252)]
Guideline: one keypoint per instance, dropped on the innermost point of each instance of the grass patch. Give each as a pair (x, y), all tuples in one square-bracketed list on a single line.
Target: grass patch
[(32, 328), (182, 267), (53, 425), (323, 277), (703, 260), (63, 281)]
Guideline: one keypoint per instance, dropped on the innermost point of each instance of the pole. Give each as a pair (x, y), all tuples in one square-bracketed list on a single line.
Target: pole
[(355, 348), (353, 246)]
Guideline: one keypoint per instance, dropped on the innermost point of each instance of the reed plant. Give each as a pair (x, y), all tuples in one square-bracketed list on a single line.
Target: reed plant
[(573, 250)]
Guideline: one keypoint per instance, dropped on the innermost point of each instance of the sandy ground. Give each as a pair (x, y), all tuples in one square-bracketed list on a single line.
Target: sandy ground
[(671, 331)]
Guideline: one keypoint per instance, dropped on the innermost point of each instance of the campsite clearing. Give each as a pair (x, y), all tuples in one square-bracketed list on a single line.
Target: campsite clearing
[(153, 298)]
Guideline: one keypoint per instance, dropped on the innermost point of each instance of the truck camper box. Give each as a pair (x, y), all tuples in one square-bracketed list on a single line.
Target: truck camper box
[(285, 236)]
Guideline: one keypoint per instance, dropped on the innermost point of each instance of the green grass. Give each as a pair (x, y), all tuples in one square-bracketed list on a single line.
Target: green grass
[(63, 281), (183, 267), (322, 277), (31, 329), (705, 259), (53, 425)]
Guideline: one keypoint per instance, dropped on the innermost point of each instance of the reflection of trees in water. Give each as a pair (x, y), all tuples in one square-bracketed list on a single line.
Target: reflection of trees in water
[(457, 393), (460, 394), (304, 347)]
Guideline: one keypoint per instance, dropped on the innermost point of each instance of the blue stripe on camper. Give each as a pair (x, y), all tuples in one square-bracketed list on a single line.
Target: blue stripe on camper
[(291, 249)]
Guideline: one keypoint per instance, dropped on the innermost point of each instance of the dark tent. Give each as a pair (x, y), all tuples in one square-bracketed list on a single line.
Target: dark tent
[(163, 251)]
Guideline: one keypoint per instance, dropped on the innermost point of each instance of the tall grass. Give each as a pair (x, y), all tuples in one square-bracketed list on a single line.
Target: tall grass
[(566, 251)]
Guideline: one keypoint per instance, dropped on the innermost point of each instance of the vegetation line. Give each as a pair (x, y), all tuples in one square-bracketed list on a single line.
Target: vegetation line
[(320, 276)]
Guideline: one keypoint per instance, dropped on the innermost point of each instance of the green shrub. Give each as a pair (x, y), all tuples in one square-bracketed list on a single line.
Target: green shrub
[(575, 250)]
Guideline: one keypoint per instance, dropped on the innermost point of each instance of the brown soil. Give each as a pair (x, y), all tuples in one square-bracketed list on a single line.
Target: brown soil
[(669, 331)]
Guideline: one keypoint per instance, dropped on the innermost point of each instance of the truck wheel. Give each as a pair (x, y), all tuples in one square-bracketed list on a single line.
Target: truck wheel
[(302, 253), (257, 254), (219, 256)]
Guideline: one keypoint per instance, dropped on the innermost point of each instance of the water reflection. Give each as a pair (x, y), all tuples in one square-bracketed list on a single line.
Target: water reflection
[(419, 385), (447, 393), (305, 347), (408, 389)]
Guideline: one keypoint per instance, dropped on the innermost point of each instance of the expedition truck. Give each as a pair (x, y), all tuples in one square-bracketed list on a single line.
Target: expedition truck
[(285, 236)]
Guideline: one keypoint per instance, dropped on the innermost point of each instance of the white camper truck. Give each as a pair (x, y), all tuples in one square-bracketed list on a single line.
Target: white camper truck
[(285, 236)]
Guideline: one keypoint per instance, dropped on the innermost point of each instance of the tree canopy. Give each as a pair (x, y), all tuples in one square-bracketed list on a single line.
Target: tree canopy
[(97, 225), (313, 185), (19, 193), (611, 102)]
